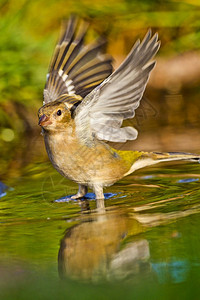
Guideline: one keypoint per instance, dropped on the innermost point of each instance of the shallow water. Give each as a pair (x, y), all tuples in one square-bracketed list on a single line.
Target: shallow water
[(144, 244)]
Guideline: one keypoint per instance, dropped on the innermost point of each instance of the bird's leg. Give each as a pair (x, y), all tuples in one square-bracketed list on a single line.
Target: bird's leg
[(100, 205), (98, 190), (82, 191)]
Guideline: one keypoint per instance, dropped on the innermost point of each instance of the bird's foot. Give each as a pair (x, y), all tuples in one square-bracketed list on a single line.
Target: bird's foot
[(88, 196), (82, 191), (77, 196)]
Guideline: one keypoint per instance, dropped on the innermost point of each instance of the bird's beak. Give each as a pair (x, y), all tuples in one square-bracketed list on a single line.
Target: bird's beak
[(44, 121)]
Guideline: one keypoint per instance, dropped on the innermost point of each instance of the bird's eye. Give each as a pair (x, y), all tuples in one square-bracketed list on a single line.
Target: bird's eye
[(59, 112)]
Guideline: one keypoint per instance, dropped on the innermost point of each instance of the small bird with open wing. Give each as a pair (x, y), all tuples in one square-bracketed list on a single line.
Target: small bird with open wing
[(85, 104)]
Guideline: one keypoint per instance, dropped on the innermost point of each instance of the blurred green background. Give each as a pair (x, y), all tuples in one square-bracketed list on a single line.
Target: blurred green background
[(29, 31)]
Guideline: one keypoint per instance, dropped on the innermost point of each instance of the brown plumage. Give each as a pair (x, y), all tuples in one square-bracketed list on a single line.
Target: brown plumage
[(85, 105)]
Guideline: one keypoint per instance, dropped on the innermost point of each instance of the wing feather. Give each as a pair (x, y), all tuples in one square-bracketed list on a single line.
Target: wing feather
[(102, 112), (76, 68)]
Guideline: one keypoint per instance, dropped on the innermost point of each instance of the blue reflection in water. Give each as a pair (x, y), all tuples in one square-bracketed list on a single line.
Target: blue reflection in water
[(186, 180), (175, 271), (89, 196), (3, 189), (147, 177)]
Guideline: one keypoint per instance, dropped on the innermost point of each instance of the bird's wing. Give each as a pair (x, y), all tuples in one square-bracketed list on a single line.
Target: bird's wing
[(76, 68), (102, 112)]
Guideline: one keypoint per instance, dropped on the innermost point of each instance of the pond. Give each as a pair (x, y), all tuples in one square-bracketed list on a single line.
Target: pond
[(144, 243)]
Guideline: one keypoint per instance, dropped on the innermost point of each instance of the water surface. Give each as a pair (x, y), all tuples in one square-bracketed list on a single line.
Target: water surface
[(145, 240)]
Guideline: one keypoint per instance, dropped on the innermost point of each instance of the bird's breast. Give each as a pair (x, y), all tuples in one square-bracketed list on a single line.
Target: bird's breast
[(82, 163)]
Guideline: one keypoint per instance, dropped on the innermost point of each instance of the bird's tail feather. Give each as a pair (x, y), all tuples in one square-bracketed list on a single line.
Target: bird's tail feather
[(151, 158), (170, 156)]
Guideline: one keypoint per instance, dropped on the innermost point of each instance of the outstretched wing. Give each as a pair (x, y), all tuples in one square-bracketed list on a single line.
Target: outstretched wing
[(76, 68), (102, 112)]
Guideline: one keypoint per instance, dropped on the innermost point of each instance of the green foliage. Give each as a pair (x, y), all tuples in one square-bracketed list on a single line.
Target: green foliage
[(28, 28)]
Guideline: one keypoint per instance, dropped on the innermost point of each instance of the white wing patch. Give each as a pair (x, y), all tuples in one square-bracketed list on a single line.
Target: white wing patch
[(68, 83)]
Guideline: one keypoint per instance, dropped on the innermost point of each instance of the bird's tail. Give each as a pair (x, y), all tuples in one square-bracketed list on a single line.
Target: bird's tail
[(170, 156), (151, 158)]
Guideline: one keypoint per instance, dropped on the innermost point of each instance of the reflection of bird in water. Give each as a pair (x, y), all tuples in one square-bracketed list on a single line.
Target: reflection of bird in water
[(108, 245), (85, 105), (94, 249)]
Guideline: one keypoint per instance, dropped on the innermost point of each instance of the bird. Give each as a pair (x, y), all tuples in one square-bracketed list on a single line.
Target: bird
[(85, 104)]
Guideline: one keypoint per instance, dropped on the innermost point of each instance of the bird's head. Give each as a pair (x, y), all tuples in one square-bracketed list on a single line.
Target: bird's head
[(55, 115)]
